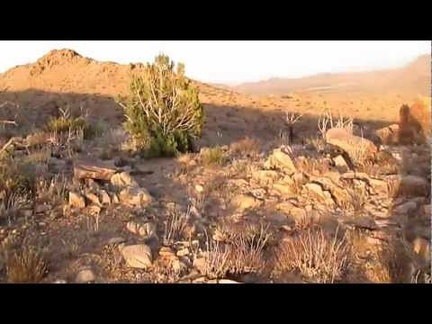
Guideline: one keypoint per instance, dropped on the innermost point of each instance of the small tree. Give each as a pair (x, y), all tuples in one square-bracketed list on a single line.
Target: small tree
[(163, 111)]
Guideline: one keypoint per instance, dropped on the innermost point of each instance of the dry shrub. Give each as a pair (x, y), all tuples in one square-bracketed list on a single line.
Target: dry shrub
[(213, 156), (175, 225), (186, 162), (369, 168), (393, 188), (237, 249), (357, 198), (317, 143), (25, 266), (316, 256), (241, 169), (17, 187), (246, 148), (312, 166), (396, 259), (385, 260)]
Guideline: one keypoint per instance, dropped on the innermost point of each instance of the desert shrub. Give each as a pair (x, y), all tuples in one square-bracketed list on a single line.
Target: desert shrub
[(316, 256), (236, 249), (163, 110), (247, 147), (16, 179), (213, 156), (25, 266), (67, 123)]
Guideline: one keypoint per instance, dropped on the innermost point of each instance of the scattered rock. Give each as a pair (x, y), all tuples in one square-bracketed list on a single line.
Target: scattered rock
[(340, 163), (281, 159), (76, 200), (244, 202), (115, 199), (93, 198), (421, 247), (378, 185), (200, 264), (183, 252), (86, 275), (414, 122), (135, 196), (339, 193), (199, 188), (357, 148), (92, 185), (137, 256), (284, 187), (388, 135), (106, 199), (318, 191), (265, 177), (178, 266), (146, 230), (94, 170), (123, 179)]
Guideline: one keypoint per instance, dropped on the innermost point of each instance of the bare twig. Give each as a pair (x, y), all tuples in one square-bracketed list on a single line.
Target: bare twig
[(292, 118)]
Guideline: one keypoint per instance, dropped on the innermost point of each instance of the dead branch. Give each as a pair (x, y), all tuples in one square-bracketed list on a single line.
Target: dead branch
[(292, 118)]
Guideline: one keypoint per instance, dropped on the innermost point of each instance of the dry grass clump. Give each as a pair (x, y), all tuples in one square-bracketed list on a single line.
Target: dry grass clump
[(315, 255), (236, 249), (213, 156), (25, 265), (246, 148)]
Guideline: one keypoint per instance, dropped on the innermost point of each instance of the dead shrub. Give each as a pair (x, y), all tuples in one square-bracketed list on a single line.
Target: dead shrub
[(316, 256), (237, 249), (175, 225), (213, 156), (25, 266), (246, 148)]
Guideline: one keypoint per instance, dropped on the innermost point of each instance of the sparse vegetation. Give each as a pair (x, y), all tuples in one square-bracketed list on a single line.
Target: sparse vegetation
[(163, 111), (238, 249), (317, 257), (17, 187), (175, 225), (213, 156), (249, 207), (246, 148), (66, 123), (25, 266)]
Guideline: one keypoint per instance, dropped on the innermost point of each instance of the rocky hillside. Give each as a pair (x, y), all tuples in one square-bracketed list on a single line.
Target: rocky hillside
[(328, 204)]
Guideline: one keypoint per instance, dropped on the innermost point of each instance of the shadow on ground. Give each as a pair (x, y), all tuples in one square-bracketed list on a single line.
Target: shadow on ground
[(224, 125)]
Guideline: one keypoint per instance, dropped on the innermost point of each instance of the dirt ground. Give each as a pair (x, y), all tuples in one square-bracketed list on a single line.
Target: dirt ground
[(253, 204)]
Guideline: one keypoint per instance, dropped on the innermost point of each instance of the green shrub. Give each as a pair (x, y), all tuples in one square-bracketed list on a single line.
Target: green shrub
[(67, 123), (163, 111)]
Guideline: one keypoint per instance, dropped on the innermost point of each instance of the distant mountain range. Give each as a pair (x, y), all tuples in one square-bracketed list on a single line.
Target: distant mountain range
[(415, 77)]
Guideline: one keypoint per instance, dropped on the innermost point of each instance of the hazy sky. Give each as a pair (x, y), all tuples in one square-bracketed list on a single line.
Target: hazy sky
[(233, 61)]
